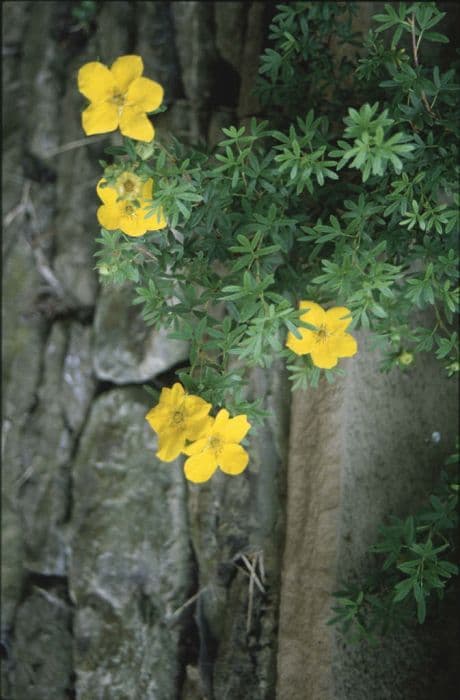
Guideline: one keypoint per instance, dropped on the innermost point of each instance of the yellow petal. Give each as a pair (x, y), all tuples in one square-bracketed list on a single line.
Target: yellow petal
[(197, 419), (335, 320), (303, 345), (172, 396), (95, 81), (170, 445), (345, 345), (200, 467), (221, 420), (109, 216), (147, 189), (134, 224), (99, 118), (316, 314), (233, 459), (145, 94), (125, 70), (196, 447), (136, 125), (156, 222), (236, 429), (323, 358), (158, 417), (107, 194)]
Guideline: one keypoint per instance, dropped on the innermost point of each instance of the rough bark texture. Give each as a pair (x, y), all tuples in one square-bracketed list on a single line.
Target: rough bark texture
[(120, 581)]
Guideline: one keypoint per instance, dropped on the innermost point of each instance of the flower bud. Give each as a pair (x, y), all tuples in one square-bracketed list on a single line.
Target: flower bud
[(406, 358), (144, 150)]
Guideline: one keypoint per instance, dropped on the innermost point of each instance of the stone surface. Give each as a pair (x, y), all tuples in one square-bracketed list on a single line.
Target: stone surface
[(45, 454), (235, 522), (130, 555), (344, 477), (43, 647), (78, 381), (125, 349)]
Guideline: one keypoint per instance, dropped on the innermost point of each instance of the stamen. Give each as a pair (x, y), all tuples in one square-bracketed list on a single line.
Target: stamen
[(178, 417), (215, 443), (322, 334)]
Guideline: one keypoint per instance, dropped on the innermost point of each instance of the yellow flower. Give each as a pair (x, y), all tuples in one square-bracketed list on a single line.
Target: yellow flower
[(124, 214), (329, 341), (219, 448), (119, 97), (176, 418)]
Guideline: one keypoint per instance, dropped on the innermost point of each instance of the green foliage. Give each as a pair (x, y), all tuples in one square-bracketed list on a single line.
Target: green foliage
[(352, 201), (84, 13), (414, 566)]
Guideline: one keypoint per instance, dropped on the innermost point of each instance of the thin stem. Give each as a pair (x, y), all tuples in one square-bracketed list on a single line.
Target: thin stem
[(415, 48)]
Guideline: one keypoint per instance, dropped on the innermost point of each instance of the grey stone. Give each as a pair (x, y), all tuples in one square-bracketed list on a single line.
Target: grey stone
[(360, 450), (43, 647), (230, 19), (78, 380), (130, 560), (235, 521), (46, 450), (193, 22), (125, 349), (41, 88)]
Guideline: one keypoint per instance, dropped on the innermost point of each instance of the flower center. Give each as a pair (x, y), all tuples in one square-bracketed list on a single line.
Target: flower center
[(216, 444), (130, 210), (178, 417), (322, 334), (128, 186), (118, 99)]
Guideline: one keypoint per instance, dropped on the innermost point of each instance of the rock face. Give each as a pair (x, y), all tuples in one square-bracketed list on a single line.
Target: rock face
[(118, 579), (124, 593), (359, 451)]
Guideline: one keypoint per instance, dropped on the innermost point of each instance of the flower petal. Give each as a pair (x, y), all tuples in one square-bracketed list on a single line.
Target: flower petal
[(125, 70), (316, 314), (134, 224), (170, 444), (158, 417), (172, 396), (233, 459), (200, 467), (196, 447), (147, 189), (335, 320), (156, 221), (345, 345), (235, 429), (145, 94), (95, 81), (107, 194), (99, 118), (304, 345), (221, 420), (108, 216), (323, 358), (197, 419), (136, 125)]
